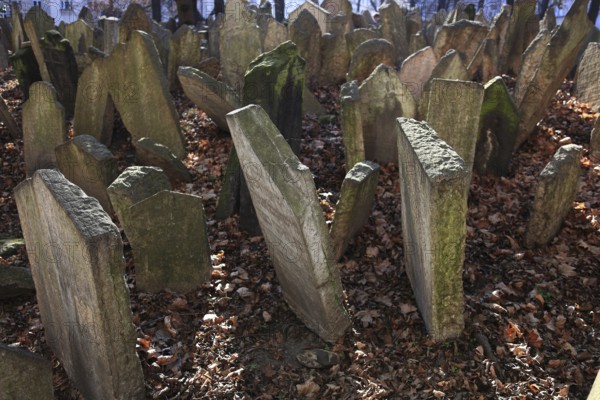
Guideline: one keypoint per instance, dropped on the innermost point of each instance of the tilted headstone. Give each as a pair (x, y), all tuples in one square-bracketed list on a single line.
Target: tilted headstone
[(26, 68), (44, 127), (148, 152), (8, 120), (26, 375), (184, 49), (357, 196), (486, 59), (416, 70), (351, 123), (595, 142), (80, 34), (36, 23), (133, 79), (434, 183), (335, 56), (292, 222), (588, 76), (213, 35), (305, 32), (383, 98), (90, 165), (454, 112), (76, 257), (167, 232), (515, 41), (18, 32), (359, 36), (86, 15), (463, 36), (368, 56), (554, 196), (393, 27), (498, 124), (530, 64)]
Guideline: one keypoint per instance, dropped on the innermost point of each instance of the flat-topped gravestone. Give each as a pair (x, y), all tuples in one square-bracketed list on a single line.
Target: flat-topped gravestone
[(76, 257), (368, 56), (383, 98), (554, 195), (291, 221), (90, 165), (26, 375), (148, 152), (498, 124), (595, 142), (351, 123), (434, 183), (167, 232), (416, 70), (184, 49), (357, 196), (305, 32), (44, 127), (110, 37), (588, 76)]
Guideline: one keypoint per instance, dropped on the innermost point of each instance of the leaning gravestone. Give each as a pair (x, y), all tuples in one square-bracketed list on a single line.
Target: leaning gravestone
[(514, 40), (368, 56), (21, 369), (168, 235), (529, 66), (463, 36), (321, 16), (36, 23), (554, 196), (393, 27), (110, 37), (383, 98), (351, 122), (416, 70), (44, 127), (148, 152), (292, 222), (184, 49), (498, 124), (305, 32), (76, 257), (90, 165), (80, 34), (434, 183), (354, 207), (588, 76), (17, 33), (134, 19), (335, 57)]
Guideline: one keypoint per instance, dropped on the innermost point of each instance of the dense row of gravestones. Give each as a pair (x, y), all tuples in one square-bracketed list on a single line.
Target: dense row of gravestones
[(411, 97)]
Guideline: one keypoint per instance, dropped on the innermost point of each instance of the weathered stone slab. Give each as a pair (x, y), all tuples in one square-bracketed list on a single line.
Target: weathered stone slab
[(393, 27), (229, 196), (454, 112), (357, 196), (310, 104), (351, 122), (515, 41), (26, 68), (184, 49), (148, 152), (26, 375), (292, 223), (80, 34), (383, 98), (554, 195), (416, 42), (44, 127), (76, 257), (305, 32), (321, 16), (595, 142), (463, 36), (8, 120), (90, 165), (530, 64), (368, 56), (588, 76), (134, 185), (3, 56), (167, 232), (35, 24), (272, 34), (213, 35), (15, 281), (498, 124), (434, 183), (134, 19), (18, 32), (416, 70), (334, 52), (359, 36), (213, 97), (110, 37), (86, 15)]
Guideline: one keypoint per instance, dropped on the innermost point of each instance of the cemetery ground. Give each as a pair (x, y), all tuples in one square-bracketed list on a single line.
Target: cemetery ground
[(531, 316)]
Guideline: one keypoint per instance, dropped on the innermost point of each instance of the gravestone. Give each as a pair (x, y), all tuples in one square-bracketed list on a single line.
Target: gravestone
[(305, 32), (434, 183), (3, 56), (351, 123), (90, 165), (148, 152), (168, 235), (110, 38), (383, 98), (393, 21), (352, 211), (21, 369), (515, 39), (368, 56), (334, 52), (8, 120), (595, 142), (213, 35), (498, 124), (486, 60), (272, 34), (213, 97), (86, 15), (530, 64), (134, 19), (26, 68), (359, 36), (134, 185), (229, 196), (80, 34), (554, 196), (18, 32), (464, 36), (454, 112), (320, 15), (292, 223), (416, 70), (14, 282), (210, 66), (588, 76), (76, 257), (36, 23), (44, 127), (416, 42), (184, 49)]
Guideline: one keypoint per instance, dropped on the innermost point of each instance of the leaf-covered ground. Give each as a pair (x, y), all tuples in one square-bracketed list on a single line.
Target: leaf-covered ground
[(531, 315)]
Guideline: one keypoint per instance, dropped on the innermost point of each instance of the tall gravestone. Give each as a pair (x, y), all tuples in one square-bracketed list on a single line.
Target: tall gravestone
[(434, 183), (36, 23), (368, 56), (22, 368), (184, 49), (463, 36), (394, 27), (351, 123), (588, 76), (306, 34), (76, 257), (417, 69), (595, 142), (80, 34), (292, 223)]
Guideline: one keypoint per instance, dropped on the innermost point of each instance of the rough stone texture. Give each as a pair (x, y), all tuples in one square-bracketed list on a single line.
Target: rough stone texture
[(434, 183), (368, 56), (17, 34), (454, 112), (80, 34), (36, 23), (133, 80), (76, 257), (310, 104), (210, 66), (359, 36), (90, 165), (305, 32), (351, 123), (134, 185), (229, 199), (26, 68), (595, 142), (334, 52), (354, 207), (530, 64), (416, 70), (26, 375), (554, 195), (15, 281), (184, 50), (134, 19), (553, 66), (486, 59), (416, 42), (240, 39), (321, 16), (463, 36), (213, 35), (515, 39), (272, 34), (110, 27), (215, 98), (383, 98), (498, 126), (588, 76), (291, 221), (44, 127), (148, 152), (170, 246), (393, 27), (8, 120)]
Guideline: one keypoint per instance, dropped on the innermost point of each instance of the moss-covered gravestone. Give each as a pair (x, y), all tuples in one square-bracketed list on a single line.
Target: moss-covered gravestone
[(351, 122), (368, 56), (26, 375), (292, 223), (434, 183)]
